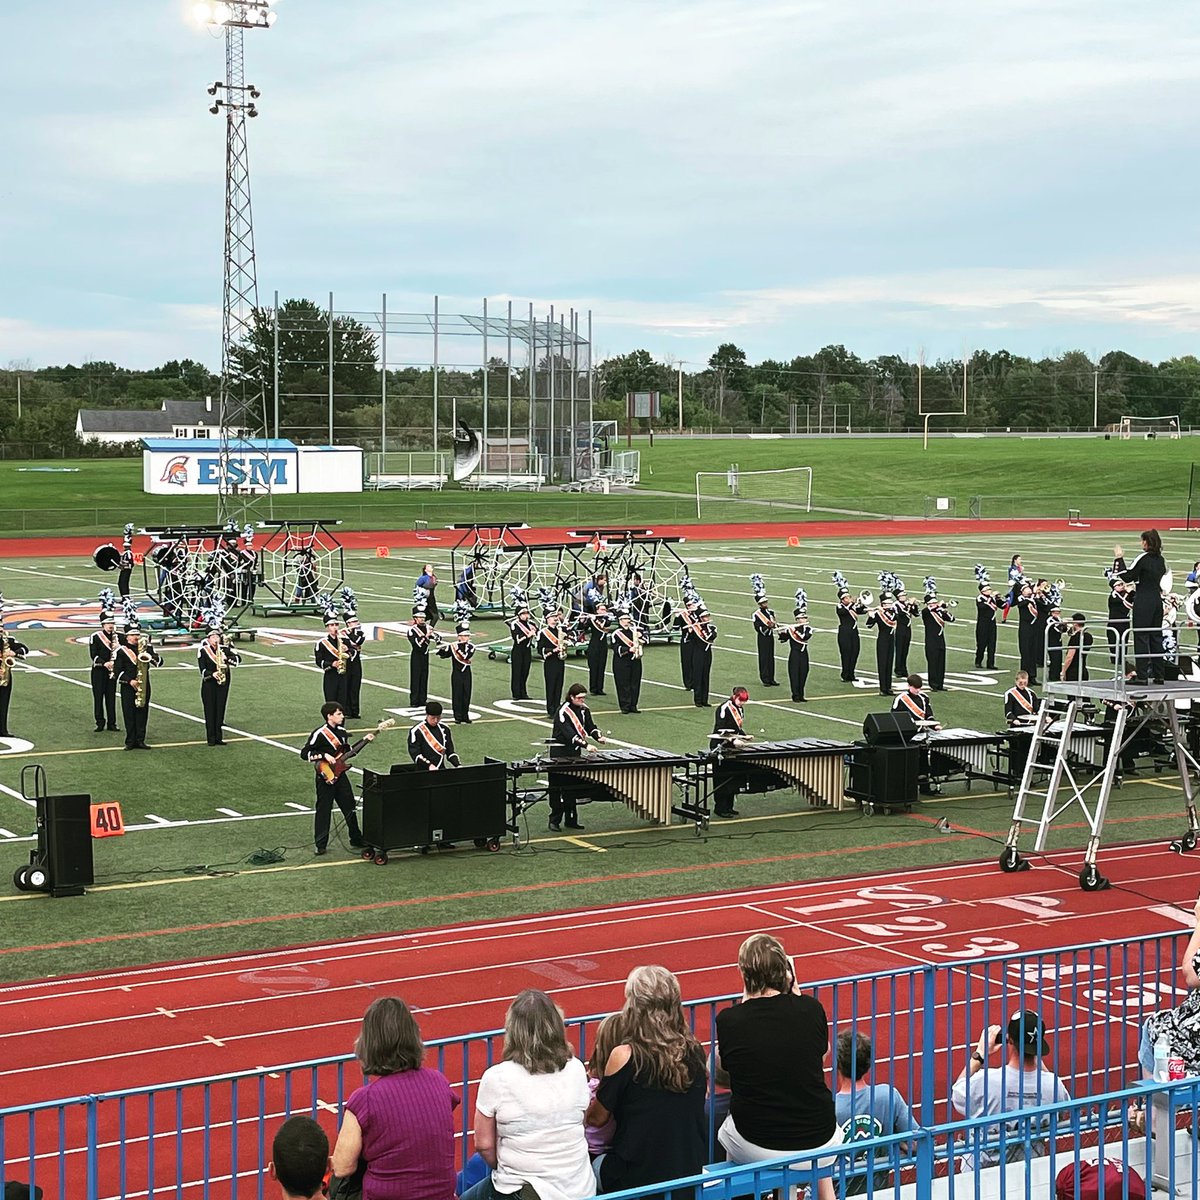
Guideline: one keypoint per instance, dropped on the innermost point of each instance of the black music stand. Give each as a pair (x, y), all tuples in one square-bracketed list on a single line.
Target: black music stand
[(412, 807)]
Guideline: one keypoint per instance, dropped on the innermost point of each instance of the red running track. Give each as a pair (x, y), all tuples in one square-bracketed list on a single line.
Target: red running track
[(179, 1021)]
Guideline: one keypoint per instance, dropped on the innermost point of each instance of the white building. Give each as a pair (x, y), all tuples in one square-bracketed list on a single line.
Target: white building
[(176, 419)]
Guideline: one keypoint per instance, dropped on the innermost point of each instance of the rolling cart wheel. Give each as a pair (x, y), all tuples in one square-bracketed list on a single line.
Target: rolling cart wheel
[(493, 844), (1188, 841), (38, 878), (368, 853), (1011, 861), (1091, 880), (381, 858), (21, 878), (492, 655)]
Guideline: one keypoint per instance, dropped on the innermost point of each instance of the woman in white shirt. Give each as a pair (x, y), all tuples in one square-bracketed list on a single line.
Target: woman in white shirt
[(529, 1110)]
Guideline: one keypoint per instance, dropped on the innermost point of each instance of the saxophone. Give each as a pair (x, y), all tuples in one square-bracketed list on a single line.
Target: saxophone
[(341, 655), (638, 645), (219, 672), (7, 657), (143, 670)]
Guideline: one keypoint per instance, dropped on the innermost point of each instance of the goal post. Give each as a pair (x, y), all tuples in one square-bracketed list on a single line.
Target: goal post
[(782, 488), (1149, 427)]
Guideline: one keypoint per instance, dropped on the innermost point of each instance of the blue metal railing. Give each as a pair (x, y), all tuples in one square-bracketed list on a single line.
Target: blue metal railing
[(212, 1136)]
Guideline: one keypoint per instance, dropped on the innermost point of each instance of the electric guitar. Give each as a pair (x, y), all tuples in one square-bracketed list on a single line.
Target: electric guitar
[(330, 772)]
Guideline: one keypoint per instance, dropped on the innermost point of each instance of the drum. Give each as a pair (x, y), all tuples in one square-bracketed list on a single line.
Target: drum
[(106, 557)]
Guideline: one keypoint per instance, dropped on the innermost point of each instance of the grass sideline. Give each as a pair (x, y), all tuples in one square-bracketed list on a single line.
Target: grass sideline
[(1014, 477), (174, 890)]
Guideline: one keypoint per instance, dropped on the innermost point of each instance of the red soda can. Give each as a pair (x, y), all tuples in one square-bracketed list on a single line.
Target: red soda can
[(1175, 1067)]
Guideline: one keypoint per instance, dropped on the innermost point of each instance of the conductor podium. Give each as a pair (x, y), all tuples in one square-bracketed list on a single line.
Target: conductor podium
[(413, 807)]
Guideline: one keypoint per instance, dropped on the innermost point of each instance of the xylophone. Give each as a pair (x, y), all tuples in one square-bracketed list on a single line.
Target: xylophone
[(960, 753), (814, 766), (643, 779)]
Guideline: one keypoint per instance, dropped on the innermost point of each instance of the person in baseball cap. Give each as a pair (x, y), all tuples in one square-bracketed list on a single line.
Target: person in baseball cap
[(1026, 1033), (1082, 1181)]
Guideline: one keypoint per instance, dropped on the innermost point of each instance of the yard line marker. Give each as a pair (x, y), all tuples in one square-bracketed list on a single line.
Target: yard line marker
[(229, 812), (577, 841), (158, 820), (8, 833), (297, 806)]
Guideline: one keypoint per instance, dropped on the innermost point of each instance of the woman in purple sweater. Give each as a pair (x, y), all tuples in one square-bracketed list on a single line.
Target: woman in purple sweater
[(401, 1123)]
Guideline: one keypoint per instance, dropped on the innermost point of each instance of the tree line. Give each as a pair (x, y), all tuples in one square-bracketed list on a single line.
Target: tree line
[(833, 389)]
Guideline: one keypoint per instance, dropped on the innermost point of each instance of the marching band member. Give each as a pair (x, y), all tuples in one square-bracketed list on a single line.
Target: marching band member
[(460, 654), (1146, 573), (797, 637), (125, 562), (102, 650), (596, 625), (1044, 601), (330, 744), (1079, 645), (355, 639), (639, 601), (1120, 605), (1055, 628), (552, 646), (215, 661), (133, 675), (920, 708), (595, 592), (985, 620), (1016, 577), (419, 637), (428, 582), (247, 568), (627, 662), (1021, 703), (520, 659), (703, 658), (764, 631), (10, 650), (688, 625), (330, 654), (1027, 613), (935, 617), (307, 584), (884, 621), (430, 743), (906, 611), (729, 724), (848, 612), (573, 725), (464, 589)]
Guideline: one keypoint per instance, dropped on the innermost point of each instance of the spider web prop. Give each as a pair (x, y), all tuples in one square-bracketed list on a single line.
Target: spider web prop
[(489, 561), (191, 567), (299, 561)]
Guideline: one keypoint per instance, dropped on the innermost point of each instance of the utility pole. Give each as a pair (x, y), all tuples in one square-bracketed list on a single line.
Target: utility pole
[(244, 486)]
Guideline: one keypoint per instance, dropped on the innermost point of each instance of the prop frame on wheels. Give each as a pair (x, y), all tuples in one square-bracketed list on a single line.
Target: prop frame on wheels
[(293, 545)]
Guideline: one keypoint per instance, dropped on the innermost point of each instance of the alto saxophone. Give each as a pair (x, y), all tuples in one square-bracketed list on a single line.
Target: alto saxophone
[(143, 670), (219, 675), (638, 645), (341, 655), (7, 657)]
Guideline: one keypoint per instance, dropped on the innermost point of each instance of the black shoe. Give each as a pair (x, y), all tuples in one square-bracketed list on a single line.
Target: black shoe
[(573, 825), (132, 747), (978, 663), (729, 812), (554, 827), (143, 746), (357, 843), (991, 666), (885, 691), (99, 728), (602, 693), (635, 710), (799, 699), (321, 850), (114, 729), (926, 790)]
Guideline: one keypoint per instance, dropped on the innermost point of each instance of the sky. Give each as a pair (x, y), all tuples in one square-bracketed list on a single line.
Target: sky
[(916, 177)]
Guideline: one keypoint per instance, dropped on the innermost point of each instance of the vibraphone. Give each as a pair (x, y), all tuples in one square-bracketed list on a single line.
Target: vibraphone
[(644, 780), (813, 766), (960, 753)]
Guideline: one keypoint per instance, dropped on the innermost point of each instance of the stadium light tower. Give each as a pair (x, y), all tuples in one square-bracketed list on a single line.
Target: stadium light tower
[(244, 486)]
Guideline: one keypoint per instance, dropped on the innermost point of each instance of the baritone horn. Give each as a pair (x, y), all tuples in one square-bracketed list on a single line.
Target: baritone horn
[(1060, 584)]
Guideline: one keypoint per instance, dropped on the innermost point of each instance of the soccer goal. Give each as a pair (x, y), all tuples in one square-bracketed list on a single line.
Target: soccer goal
[(784, 488), (1149, 427)]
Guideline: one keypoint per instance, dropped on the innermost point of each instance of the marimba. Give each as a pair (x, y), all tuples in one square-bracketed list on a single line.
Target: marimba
[(815, 767), (643, 780), (960, 753)]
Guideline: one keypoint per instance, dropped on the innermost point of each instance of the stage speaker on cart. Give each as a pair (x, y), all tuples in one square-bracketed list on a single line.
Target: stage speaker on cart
[(65, 843), (885, 776), (889, 728)]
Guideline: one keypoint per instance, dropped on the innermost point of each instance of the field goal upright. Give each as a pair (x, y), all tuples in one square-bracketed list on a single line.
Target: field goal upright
[(784, 487), (1149, 427)]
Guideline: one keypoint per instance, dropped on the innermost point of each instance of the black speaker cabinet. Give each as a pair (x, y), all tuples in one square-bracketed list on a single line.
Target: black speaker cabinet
[(413, 806), (885, 776), (888, 728), (65, 843)]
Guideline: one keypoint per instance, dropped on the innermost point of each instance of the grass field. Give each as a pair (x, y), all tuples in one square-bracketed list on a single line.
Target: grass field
[(179, 883), (1011, 477)]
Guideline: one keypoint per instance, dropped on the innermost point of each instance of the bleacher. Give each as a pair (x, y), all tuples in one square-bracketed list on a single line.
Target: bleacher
[(480, 482), (212, 1136)]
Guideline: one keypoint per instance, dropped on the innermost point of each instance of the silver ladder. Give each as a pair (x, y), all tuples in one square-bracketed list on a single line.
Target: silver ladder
[(1062, 790)]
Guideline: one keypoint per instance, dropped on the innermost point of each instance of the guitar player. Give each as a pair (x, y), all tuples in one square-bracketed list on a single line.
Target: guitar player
[(330, 745)]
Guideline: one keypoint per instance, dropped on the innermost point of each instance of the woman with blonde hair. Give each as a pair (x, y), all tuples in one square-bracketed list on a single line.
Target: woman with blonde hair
[(654, 1086), (401, 1123), (771, 1050), (529, 1109)]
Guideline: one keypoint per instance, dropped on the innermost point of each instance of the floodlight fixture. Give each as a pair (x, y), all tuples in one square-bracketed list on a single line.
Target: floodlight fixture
[(235, 14)]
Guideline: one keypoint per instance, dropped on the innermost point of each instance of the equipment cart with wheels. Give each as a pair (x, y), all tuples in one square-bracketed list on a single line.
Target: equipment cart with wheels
[(411, 808)]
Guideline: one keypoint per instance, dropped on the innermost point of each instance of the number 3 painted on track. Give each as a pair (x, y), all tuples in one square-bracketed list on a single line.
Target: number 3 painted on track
[(976, 947)]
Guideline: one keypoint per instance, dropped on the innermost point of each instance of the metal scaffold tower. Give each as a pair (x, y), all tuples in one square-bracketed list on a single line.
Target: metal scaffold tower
[(244, 492)]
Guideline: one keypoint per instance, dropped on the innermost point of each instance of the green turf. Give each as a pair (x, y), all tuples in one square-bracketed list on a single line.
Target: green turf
[(157, 880), (1010, 477)]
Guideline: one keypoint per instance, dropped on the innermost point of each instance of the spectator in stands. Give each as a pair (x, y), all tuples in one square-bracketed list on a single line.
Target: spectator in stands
[(1020, 1082), (865, 1111), (529, 1109), (401, 1124), (599, 1136), (654, 1086), (771, 1050), (1182, 1023), (299, 1159)]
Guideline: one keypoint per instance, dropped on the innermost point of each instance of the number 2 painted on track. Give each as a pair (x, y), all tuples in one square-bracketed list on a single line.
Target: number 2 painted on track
[(900, 927)]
